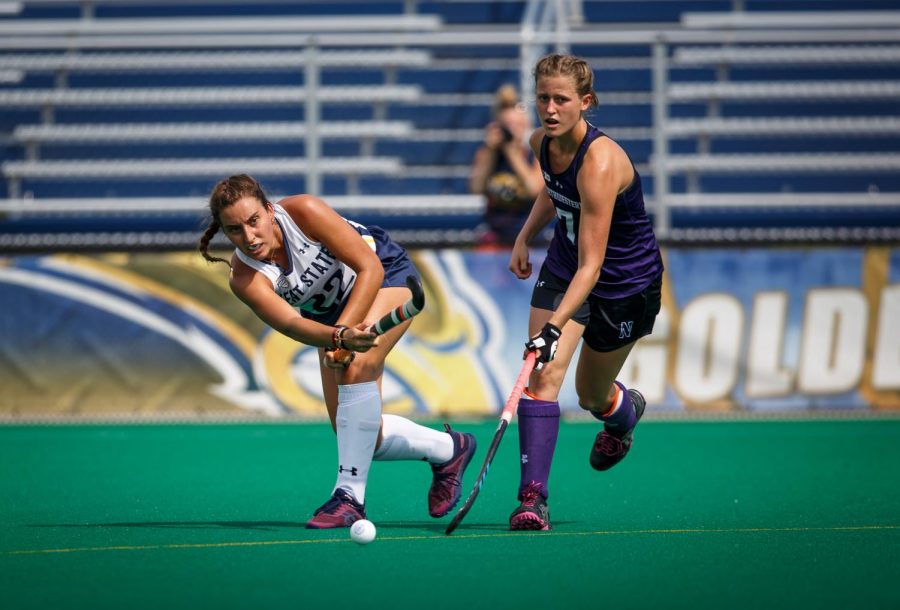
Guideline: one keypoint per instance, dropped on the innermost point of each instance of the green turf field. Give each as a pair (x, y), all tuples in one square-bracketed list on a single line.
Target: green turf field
[(802, 514)]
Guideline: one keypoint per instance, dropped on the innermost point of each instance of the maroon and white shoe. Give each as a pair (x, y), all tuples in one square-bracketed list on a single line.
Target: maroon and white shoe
[(341, 510), (446, 482)]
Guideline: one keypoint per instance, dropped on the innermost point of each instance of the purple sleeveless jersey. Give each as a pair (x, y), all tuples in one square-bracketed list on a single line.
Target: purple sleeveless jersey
[(632, 258)]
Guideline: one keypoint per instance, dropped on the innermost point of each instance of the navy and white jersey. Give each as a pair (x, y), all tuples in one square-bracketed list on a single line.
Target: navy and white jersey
[(315, 282), (632, 260)]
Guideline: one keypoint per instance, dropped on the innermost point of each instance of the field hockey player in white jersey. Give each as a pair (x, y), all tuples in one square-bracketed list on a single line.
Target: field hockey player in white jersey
[(323, 280)]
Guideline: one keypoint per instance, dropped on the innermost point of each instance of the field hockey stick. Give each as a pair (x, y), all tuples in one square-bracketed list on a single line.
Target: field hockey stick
[(505, 417), (404, 312), (393, 318)]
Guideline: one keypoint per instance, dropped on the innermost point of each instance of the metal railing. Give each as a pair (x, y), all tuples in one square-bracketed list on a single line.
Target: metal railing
[(551, 24)]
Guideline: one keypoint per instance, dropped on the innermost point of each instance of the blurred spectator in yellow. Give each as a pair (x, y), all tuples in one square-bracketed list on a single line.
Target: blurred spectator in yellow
[(505, 170)]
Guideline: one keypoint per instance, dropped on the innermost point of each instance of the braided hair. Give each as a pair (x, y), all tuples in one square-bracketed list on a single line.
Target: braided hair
[(224, 194)]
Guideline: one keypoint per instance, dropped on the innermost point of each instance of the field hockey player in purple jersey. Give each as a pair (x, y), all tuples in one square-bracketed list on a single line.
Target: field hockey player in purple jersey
[(601, 281), (323, 280)]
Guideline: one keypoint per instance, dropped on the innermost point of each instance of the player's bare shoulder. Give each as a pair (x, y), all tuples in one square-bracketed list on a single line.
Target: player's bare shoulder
[(308, 212), (537, 136), (300, 206), (606, 160), (241, 275)]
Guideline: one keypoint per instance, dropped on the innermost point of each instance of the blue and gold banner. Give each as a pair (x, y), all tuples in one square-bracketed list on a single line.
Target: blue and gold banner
[(741, 329)]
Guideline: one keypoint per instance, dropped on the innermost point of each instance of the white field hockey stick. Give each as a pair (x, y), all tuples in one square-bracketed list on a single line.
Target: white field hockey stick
[(505, 417), (393, 318)]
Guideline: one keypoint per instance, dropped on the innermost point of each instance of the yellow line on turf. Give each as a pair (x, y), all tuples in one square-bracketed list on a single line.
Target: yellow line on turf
[(219, 545)]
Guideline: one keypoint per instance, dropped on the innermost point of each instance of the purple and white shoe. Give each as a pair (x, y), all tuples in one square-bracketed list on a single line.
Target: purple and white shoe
[(533, 512)]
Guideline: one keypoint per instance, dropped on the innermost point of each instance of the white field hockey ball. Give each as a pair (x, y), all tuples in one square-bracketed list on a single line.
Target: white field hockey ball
[(362, 531)]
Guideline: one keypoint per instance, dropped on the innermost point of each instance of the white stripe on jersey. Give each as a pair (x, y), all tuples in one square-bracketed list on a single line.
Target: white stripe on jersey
[(563, 199)]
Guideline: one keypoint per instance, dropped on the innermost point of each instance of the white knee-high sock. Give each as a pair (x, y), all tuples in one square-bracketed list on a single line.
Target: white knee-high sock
[(402, 439), (358, 420)]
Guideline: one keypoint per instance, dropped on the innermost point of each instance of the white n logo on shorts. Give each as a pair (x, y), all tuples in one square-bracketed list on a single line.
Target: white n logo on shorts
[(625, 329)]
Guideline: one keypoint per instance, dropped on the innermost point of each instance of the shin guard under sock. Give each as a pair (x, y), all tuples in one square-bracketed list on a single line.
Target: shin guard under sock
[(538, 430), (358, 421)]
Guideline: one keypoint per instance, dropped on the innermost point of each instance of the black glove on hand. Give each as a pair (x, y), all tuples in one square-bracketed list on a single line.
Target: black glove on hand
[(545, 344)]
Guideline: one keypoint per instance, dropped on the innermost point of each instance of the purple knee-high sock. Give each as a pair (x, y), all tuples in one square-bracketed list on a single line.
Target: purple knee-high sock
[(538, 429), (624, 418)]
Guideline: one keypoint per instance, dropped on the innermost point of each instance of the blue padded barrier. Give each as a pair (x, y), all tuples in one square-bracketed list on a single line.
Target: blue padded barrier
[(889, 143), (804, 5), (442, 116), (649, 11), (194, 150), (458, 81), (458, 13), (187, 114), (172, 9), (428, 153), (142, 79), (758, 182), (412, 186), (825, 217)]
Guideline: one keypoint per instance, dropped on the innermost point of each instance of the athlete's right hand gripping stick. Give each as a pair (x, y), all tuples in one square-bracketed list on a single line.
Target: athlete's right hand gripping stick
[(391, 319)]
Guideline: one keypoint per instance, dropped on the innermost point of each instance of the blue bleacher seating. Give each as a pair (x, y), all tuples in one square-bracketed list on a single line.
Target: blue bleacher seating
[(455, 85)]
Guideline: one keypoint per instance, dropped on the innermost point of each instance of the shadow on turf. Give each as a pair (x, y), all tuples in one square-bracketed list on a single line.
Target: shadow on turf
[(433, 527), (240, 525), (441, 526)]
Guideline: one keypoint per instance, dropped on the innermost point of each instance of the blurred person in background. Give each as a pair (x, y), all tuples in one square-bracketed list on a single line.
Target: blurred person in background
[(323, 280), (505, 170), (600, 281)]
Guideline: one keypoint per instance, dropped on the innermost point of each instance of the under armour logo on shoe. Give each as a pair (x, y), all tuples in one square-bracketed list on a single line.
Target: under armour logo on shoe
[(353, 471), (524, 458)]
